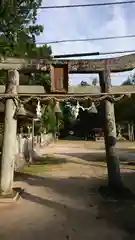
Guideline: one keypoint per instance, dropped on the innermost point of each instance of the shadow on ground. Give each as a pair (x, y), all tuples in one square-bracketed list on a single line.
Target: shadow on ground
[(123, 149), (47, 159), (87, 159), (119, 214), (93, 159), (81, 221), (91, 156), (99, 157)]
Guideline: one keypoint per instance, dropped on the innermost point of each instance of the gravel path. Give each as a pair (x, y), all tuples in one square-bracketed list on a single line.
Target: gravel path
[(63, 203)]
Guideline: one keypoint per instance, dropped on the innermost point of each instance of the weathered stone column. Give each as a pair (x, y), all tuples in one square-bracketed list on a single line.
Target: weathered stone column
[(10, 131), (114, 178)]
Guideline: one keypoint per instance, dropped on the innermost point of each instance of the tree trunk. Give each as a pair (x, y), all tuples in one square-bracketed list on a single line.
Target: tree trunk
[(114, 178), (10, 133)]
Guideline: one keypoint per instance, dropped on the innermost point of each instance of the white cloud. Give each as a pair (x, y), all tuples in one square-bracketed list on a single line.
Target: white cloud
[(88, 23)]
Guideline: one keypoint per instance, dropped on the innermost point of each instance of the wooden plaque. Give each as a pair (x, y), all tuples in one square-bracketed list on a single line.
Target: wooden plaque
[(59, 78)]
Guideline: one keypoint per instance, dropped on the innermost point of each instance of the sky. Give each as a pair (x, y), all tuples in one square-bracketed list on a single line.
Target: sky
[(88, 22)]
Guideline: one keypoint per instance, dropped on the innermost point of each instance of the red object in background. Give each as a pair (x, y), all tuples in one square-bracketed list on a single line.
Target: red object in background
[(59, 78)]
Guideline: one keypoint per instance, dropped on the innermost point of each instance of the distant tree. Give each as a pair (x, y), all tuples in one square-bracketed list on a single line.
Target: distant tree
[(18, 28), (18, 31), (48, 119), (125, 108), (66, 119), (129, 81), (94, 81), (84, 83)]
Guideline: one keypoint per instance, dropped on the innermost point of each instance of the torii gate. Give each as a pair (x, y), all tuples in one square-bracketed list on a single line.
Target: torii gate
[(59, 87)]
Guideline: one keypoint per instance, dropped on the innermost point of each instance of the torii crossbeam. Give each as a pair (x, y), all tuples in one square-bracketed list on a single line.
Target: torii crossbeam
[(60, 82), (117, 64)]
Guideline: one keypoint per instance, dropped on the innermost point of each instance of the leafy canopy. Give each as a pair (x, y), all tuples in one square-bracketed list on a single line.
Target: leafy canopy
[(18, 29), (48, 119)]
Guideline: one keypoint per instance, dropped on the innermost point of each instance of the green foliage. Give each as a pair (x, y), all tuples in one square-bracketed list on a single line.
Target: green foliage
[(51, 121), (129, 81), (42, 79), (48, 119), (84, 83), (17, 26), (66, 111), (18, 29), (39, 52), (125, 109), (66, 119), (94, 81)]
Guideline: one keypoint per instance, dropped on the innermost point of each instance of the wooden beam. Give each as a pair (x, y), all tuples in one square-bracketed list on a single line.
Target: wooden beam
[(117, 64), (37, 90)]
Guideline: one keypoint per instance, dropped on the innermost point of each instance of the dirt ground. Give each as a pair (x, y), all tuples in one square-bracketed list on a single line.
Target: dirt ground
[(64, 203)]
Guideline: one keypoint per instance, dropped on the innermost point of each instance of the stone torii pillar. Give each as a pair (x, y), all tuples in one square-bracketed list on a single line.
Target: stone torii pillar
[(114, 178), (9, 138)]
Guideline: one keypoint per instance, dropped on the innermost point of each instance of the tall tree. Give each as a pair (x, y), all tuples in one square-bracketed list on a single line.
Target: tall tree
[(128, 81), (125, 109), (94, 81), (18, 29), (84, 83), (43, 79), (48, 119)]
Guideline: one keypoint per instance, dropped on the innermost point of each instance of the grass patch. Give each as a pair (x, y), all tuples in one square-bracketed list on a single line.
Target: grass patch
[(35, 169), (44, 164), (47, 163)]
